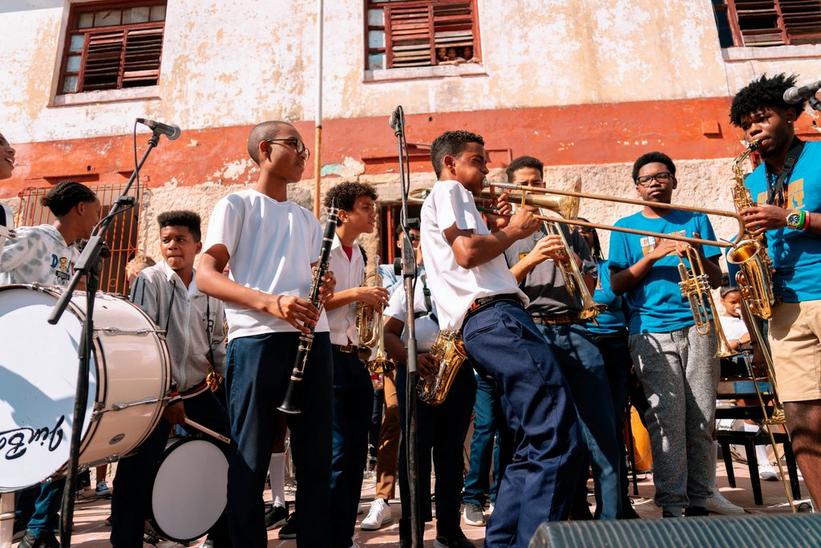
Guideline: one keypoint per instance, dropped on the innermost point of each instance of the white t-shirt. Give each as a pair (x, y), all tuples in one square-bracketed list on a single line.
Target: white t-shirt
[(734, 328), (348, 273), (271, 246), (38, 254), (426, 328), (454, 288)]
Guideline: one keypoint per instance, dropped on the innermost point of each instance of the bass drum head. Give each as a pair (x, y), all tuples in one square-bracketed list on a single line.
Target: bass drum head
[(38, 380), (190, 489)]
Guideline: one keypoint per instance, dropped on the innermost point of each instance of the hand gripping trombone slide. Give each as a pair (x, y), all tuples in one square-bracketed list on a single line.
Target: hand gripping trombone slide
[(292, 403)]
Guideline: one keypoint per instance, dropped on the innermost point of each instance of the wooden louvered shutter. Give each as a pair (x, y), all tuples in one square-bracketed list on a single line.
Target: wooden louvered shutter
[(409, 28), (802, 20), (103, 60), (141, 65), (453, 25), (758, 23)]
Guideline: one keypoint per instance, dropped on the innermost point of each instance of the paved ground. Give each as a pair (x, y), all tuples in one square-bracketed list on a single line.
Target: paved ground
[(91, 531)]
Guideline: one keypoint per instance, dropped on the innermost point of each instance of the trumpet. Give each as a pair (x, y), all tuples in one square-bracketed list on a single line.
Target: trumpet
[(695, 287)]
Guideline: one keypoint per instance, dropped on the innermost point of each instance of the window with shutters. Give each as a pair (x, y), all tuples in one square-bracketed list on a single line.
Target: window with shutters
[(768, 22), (401, 33), (113, 46)]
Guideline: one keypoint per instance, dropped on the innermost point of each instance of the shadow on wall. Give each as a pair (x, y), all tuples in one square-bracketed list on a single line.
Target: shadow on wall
[(11, 6)]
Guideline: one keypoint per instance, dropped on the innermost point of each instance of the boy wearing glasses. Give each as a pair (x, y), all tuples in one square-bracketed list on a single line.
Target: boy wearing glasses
[(675, 364), (270, 245)]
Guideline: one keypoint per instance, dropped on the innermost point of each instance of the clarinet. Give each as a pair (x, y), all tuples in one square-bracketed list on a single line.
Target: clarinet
[(293, 394)]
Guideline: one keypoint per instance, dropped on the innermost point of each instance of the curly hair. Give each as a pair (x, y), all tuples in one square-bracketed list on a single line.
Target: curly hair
[(763, 92), (522, 162), (65, 195), (344, 195), (182, 217), (451, 143), (652, 157)]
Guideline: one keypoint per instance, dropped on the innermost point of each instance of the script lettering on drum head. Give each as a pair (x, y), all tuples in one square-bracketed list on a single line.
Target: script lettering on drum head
[(14, 443)]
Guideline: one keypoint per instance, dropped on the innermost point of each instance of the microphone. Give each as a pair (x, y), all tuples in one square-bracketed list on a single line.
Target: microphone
[(393, 121), (797, 94), (169, 130)]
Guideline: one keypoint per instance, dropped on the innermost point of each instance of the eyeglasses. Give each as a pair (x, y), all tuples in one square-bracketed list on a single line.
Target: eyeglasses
[(662, 177), (295, 144)]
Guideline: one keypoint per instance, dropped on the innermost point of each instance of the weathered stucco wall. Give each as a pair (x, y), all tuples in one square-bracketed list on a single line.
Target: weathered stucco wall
[(234, 63)]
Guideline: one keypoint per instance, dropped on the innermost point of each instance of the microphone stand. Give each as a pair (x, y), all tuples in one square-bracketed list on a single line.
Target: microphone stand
[(409, 281), (90, 266)]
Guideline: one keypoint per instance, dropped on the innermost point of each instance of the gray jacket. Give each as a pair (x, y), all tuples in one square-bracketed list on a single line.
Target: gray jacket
[(194, 323)]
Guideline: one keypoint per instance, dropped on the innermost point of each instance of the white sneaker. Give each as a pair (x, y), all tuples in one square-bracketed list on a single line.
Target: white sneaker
[(717, 504), (378, 516), (767, 472), (490, 509)]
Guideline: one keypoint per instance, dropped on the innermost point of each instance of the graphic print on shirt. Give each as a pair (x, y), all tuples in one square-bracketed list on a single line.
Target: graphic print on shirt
[(62, 267), (795, 195), (649, 243)]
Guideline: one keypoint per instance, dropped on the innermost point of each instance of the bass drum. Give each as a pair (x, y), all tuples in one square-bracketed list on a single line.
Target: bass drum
[(128, 379), (190, 490)]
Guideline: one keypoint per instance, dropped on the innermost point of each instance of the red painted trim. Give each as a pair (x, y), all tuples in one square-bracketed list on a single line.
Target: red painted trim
[(577, 134)]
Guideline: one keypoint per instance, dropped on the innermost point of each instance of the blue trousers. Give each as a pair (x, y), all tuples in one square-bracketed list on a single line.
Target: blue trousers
[(617, 362), (584, 369), (538, 484), (131, 497), (490, 443), (352, 409), (258, 369), (46, 507), (441, 432)]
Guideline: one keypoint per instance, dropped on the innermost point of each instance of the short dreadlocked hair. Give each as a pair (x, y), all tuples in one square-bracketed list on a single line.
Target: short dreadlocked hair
[(67, 194), (763, 92), (182, 217), (344, 195), (451, 143)]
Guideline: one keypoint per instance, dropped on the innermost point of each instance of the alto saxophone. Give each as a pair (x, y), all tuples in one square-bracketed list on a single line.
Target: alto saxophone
[(449, 352), (754, 278)]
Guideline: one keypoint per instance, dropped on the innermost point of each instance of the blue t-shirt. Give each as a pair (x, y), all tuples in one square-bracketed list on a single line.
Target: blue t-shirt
[(796, 255), (656, 304), (611, 320)]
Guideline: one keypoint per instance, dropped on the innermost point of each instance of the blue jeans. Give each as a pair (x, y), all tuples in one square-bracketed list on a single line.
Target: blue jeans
[(583, 366), (352, 409), (258, 369), (46, 508), (441, 431), (488, 426), (133, 484), (617, 362), (538, 484)]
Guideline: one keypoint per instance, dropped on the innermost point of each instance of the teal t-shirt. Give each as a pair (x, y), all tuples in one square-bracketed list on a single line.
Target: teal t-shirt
[(611, 320), (796, 255), (655, 303)]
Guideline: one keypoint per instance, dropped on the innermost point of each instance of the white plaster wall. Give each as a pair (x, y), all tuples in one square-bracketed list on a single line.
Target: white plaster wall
[(234, 63)]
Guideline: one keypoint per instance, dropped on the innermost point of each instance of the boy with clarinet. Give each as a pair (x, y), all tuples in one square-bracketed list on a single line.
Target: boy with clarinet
[(270, 245)]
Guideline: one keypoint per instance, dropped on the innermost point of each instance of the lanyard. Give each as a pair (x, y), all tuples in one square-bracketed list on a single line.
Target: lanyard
[(777, 186)]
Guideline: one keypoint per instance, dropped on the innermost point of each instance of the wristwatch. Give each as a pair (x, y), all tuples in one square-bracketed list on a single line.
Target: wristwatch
[(795, 219)]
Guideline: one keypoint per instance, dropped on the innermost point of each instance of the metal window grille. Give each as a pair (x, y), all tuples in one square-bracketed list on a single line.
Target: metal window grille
[(122, 236), (409, 33)]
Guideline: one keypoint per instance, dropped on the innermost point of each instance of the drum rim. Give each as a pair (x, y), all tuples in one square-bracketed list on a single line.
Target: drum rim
[(152, 518)]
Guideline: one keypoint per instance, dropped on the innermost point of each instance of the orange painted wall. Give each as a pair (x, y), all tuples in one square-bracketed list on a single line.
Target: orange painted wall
[(580, 134)]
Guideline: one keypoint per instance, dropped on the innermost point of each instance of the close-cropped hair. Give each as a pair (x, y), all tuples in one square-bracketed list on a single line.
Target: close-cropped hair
[(344, 195), (766, 91), (451, 143), (652, 157), (262, 132), (67, 194), (182, 217), (522, 162)]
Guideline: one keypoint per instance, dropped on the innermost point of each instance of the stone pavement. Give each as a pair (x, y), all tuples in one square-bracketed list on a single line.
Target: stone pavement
[(91, 531)]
